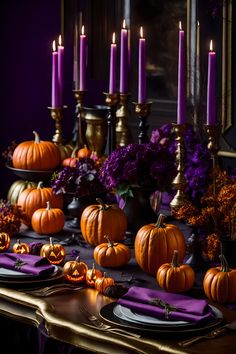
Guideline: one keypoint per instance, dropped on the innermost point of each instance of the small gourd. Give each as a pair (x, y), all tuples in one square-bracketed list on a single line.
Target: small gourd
[(84, 152), (54, 252), (48, 220), (175, 277), (102, 283), (20, 247), (75, 271), (92, 275), (5, 241)]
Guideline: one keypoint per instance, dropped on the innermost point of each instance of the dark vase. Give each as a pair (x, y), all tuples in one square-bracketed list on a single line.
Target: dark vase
[(228, 249), (138, 210)]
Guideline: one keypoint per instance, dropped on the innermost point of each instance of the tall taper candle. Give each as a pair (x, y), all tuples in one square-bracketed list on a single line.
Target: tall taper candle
[(181, 102), (211, 87), (124, 60), (113, 60), (82, 64), (55, 102), (60, 50), (142, 69), (75, 59)]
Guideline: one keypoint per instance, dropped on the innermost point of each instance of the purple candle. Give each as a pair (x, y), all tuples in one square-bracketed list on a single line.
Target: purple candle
[(75, 59), (211, 87), (82, 71), (113, 54), (142, 69), (60, 50), (55, 87), (181, 114), (124, 60)]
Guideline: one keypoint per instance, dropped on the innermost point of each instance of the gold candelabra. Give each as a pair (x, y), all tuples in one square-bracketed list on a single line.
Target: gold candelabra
[(179, 183), (122, 115), (78, 136), (57, 115), (111, 100), (143, 111)]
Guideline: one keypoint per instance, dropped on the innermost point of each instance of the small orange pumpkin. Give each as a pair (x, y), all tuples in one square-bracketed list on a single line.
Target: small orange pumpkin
[(48, 220), (70, 161), (5, 241), (36, 155), (102, 283), (84, 152), (111, 254), (101, 219), (174, 277), (54, 252), (75, 271), (92, 275), (219, 283), (20, 247), (155, 243)]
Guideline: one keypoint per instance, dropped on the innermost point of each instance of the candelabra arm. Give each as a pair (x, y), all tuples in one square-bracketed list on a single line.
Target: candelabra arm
[(122, 115), (143, 111), (57, 115)]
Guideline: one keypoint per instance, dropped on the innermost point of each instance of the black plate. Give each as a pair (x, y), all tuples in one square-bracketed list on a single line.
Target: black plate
[(107, 314), (31, 175)]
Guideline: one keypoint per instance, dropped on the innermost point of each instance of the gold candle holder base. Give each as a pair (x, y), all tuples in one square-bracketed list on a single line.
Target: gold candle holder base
[(179, 183), (122, 115), (77, 132), (57, 115), (111, 100), (143, 111)]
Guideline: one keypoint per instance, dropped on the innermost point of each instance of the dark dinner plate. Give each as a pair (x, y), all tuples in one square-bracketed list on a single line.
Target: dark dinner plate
[(107, 313)]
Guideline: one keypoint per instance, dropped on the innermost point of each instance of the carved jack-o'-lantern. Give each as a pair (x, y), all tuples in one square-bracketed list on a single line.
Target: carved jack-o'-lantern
[(4, 241), (54, 252), (21, 247), (92, 275), (75, 271)]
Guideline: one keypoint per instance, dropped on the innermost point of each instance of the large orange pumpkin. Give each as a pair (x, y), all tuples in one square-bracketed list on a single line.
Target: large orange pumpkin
[(36, 155), (155, 243), (101, 219), (32, 199), (48, 220), (219, 283), (175, 277)]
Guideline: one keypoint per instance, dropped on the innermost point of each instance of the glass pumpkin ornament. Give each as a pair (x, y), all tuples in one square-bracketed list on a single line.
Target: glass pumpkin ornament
[(102, 283), (21, 247), (5, 241), (54, 252), (92, 275), (75, 271)]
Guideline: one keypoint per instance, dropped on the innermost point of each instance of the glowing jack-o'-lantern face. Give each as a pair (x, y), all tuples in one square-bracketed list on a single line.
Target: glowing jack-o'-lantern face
[(4, 241), (75, 271), (21, 247), (92, 275), (54, 252)]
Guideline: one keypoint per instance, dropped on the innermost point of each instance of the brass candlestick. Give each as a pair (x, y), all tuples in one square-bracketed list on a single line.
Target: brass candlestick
[(56, 114), (77, 132), (179, 183), (143, 111), (213, 132), (122, 115), (112, 100)]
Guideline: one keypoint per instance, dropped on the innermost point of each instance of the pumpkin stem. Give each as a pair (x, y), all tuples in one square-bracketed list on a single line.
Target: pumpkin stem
[(40, 185), (104, 275), (48, 205), (51, 241), (224, 264), (103, 205), (161, 218), (77, 259), (110, 242), (175, 259), (36, 137)]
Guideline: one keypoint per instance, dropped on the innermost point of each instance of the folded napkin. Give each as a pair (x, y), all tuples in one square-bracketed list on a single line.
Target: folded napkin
[(26, 263), (163, 305)]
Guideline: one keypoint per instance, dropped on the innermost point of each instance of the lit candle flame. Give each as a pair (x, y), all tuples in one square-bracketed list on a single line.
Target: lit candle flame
[(180, 25), (141, 31), (113, 38), (82, 30), (124, 24), (54, 45), (211, 45), (59, 40), (198, 23)]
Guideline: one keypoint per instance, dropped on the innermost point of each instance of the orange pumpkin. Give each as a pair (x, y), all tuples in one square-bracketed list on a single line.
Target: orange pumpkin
[(101, 219), (36, 155), (111, 254), (102, 283), (20, 247), (92, 275), (54, 252), (219, 283), (5, 241), (70, 161), (33, 198), (75, 271), (48, 220), (84, 152), (155, 243), (16, 188), (174, 277)]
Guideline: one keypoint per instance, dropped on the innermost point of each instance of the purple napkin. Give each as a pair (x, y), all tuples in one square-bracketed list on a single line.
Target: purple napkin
[(26, 263), (153, 303)]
